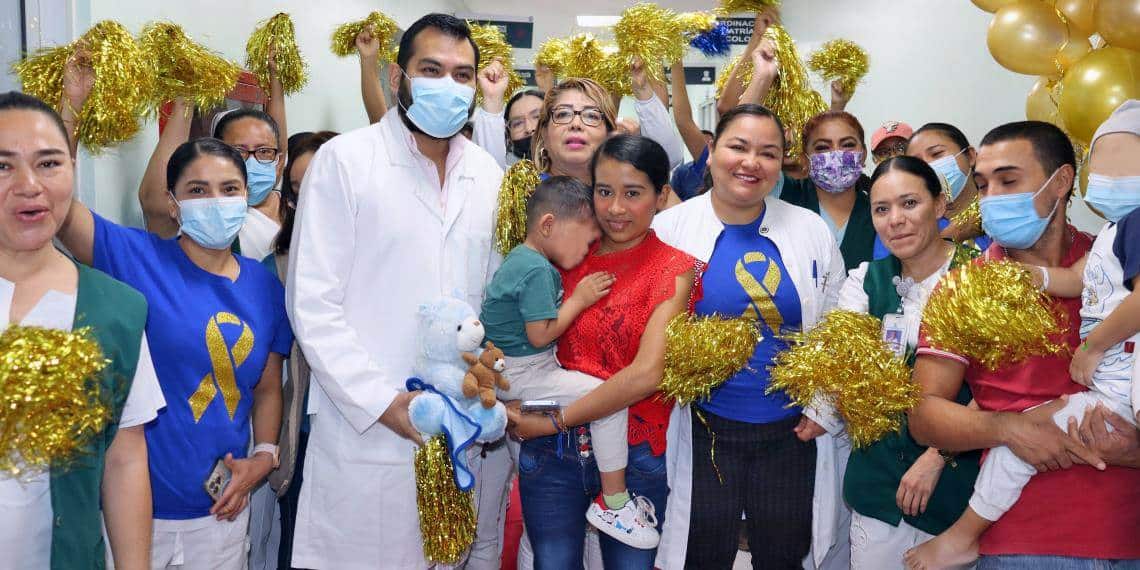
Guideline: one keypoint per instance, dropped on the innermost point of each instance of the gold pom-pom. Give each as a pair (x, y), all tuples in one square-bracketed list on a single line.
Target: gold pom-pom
[(552, 53), (701, 353), (729, 7), (276, 36), (841, 60), (493, 45), (652, 34), (695, 22), (970, 217), (186, 69), (52, 402), (843, 360), (518, 184), (612, 72), (447, 515), (791, 96), (583, 52), (993, 314), (384, 29), (123, 85)]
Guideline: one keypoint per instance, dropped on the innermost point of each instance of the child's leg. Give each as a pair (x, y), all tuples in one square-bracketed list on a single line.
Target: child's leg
[(1000, 481), (609, 435)]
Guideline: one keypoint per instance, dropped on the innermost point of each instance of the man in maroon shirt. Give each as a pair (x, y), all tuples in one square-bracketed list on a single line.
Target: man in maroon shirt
[(1071, 513)]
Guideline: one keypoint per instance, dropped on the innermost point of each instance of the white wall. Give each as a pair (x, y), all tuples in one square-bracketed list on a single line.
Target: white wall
[(331, 100)]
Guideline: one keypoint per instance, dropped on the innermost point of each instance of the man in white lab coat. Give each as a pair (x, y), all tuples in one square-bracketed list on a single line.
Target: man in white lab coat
[(390, 216)]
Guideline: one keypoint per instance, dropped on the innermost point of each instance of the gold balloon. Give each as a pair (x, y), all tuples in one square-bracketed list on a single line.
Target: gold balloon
[(1080, 15), (1118, 22), (1095, 86), (1041, 103), (1073, 52), (1025, 37), (992, 6)]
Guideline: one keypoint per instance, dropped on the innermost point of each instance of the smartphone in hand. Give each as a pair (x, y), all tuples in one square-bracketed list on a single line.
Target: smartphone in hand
[(216, 482), (539, 407)]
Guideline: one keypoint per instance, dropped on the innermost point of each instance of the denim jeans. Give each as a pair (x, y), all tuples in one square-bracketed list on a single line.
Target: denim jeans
[(1032, 562), (556, 490)]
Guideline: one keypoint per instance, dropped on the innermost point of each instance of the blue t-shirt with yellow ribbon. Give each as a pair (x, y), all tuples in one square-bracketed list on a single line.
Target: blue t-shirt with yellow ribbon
[(210, 338), (746, 277)]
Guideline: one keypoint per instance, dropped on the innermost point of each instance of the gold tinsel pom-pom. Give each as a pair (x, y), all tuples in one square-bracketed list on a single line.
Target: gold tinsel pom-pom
[(970, 217), (583, 52), (52, 404), (841, 60), (695, 22), (518, 184), (447, 515), (186, 69), (493, 44), (612, 72), (652, 34), (701, 353), (552, 54), (276, 36), (384, 29), (791, 96), (991, 313), (843, 360), (123, 84), (729, 7)]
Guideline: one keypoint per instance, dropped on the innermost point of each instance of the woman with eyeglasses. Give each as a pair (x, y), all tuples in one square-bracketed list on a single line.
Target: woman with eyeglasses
[(260, 137)]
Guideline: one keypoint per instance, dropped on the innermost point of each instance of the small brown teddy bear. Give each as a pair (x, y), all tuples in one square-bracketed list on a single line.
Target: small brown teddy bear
[(485, 372)]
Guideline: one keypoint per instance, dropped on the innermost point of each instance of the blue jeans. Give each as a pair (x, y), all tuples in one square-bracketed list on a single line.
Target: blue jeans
[(1033, 562), (556, 492)]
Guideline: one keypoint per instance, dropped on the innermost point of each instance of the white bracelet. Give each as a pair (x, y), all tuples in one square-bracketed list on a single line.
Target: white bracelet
[(269, 448), (1044, 277)]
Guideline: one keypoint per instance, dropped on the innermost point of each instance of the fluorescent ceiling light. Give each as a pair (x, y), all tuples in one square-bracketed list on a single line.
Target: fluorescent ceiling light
[(597, 21)]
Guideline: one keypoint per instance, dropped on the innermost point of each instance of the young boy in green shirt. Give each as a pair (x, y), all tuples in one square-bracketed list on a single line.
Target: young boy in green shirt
[(523, 314)]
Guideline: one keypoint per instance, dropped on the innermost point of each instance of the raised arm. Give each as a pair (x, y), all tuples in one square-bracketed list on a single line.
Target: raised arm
[(490, 125), (691, 134), (653, 116), (840, 96), (370, 89), (153, 194), (764, 71), (734, 85)]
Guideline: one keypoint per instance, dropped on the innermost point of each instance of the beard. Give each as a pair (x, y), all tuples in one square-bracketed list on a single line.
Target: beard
[(404, 100)]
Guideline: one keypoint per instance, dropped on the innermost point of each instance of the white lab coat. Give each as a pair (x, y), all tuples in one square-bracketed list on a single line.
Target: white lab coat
[(372, 242), (816, 268)]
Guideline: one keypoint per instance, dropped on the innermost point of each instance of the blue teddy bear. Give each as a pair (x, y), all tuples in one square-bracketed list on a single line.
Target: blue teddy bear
[(449, 327)]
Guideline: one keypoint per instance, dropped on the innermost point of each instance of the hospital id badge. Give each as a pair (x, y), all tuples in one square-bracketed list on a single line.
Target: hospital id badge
[(894, 332)]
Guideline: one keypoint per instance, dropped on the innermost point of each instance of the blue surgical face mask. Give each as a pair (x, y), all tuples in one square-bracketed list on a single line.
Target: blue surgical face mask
[(440, 106), (1012, 219), (261, 178), (1113, 196), (212, 223), (947, 166)]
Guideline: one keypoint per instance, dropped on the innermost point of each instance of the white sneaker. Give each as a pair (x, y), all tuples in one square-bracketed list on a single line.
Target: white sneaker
[(635, 524)]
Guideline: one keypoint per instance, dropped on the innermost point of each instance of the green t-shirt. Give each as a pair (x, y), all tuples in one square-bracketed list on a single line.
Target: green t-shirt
[(526, 288)]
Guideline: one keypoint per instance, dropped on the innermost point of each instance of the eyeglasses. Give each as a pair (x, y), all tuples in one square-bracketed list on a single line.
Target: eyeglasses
[(519, 123), (264, 155), (591, 116)]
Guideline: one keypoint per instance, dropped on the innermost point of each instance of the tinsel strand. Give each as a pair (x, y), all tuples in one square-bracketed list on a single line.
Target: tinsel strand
[(518, 184), (840, 60), (701, 353), (493, 45), (276, 36), (384, 30), (186, 69), (447, 515)]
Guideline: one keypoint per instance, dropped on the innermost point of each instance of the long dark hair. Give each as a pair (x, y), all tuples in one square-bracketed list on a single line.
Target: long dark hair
[(910, 165), (298, 147), (189, 151), (644, 154)]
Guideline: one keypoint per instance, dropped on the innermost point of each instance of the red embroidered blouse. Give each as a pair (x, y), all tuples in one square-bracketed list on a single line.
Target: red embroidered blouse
[(604, 338)]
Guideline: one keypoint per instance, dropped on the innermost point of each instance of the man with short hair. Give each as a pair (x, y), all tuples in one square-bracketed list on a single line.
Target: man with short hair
[(391, 216), (1070, 511)]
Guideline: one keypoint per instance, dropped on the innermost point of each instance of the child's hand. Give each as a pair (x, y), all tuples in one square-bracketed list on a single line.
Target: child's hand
[(1084, 363), (592, 288)]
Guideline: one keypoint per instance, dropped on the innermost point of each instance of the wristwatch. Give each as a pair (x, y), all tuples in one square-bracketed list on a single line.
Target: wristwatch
[(271, 449), (949, 457)]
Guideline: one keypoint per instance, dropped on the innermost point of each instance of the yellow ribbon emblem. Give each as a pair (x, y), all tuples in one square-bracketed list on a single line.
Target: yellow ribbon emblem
[(225, 360), (761, 293)]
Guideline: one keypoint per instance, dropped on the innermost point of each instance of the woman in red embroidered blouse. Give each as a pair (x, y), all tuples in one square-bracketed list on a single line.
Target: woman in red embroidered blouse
[(621, 339)]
